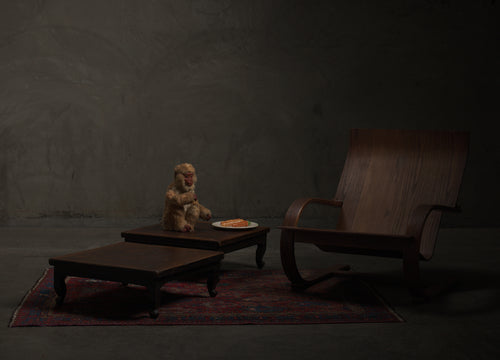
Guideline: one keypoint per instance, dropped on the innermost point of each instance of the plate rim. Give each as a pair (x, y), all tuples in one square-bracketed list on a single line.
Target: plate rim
[(252, 225)]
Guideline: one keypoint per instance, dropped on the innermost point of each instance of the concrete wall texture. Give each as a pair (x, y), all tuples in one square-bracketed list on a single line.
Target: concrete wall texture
[(99, 100)]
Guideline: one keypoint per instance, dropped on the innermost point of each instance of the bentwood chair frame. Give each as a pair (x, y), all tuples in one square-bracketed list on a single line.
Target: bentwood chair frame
[(393, 189)]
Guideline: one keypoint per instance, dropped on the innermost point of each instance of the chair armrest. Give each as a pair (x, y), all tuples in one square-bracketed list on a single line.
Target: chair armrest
[(295, 210), (419, 216)]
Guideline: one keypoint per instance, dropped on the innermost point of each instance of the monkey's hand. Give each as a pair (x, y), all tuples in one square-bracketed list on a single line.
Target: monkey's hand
[(205, 214)]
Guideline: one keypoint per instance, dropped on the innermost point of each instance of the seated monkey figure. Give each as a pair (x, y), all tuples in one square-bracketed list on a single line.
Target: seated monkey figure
[(182, 208)]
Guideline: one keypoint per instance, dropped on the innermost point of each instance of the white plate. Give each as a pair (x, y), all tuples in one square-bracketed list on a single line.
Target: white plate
[(251, 225)]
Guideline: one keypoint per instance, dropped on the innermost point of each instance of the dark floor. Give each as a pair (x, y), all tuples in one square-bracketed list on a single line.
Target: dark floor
[(464, 324)]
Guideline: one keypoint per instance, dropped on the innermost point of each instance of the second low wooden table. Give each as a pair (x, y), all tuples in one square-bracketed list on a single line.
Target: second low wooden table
[(140, 264), (205, 236)]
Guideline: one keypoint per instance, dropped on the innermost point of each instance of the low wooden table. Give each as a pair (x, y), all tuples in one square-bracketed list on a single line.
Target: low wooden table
[(147, 265), (205, 236)]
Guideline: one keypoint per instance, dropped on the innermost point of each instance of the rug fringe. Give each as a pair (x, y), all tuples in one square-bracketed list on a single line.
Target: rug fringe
[(14, 316)]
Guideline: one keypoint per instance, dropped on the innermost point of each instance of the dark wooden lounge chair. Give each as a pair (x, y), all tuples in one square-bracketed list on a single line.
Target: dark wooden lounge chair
[(393, 189)]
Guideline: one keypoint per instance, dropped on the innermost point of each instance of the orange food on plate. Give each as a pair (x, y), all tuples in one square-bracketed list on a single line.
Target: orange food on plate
[(235, 223)]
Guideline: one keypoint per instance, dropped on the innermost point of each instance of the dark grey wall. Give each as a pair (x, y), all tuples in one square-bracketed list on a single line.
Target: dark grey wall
[(100, 99)]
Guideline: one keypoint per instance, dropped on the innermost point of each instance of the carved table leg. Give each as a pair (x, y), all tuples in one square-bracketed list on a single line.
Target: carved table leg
[(154, 290), (59, 285), (213, 279), (259, 254)]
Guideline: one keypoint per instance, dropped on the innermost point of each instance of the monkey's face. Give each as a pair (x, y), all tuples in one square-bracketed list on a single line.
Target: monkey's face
[(188, 178), (185, 181), (185, 177)]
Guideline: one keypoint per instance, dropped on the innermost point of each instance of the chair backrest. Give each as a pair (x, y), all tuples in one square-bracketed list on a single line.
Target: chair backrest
[(388, 173)]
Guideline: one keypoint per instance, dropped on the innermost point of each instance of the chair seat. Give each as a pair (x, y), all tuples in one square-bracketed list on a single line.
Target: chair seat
[(352, 242)]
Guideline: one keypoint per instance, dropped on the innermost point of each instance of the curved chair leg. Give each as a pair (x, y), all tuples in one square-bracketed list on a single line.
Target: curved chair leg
[(287, 251), (411, 271), (419, 289)]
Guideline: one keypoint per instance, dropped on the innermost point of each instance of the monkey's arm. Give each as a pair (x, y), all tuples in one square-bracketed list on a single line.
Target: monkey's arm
[(180, 199), (205, 213)]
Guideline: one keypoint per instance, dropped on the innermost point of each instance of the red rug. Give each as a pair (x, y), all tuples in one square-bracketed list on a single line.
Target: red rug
[(244, 297)]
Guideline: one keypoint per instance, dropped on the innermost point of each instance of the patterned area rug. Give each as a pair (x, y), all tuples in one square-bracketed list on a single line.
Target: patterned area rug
[(261, 297)]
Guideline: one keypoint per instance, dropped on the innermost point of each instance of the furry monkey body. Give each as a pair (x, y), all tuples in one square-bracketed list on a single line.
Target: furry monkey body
[(182, 208)]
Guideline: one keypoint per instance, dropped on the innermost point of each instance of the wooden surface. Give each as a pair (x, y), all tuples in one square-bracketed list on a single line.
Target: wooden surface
[(205, 236), (152, 260), (148, 265), (394, 186), (204, 233)]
